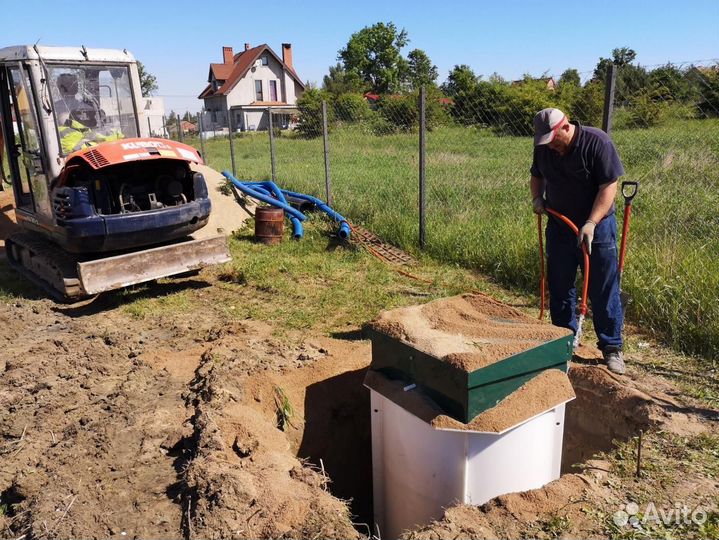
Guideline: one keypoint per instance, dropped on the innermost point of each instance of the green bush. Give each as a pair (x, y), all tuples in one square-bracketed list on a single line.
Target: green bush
[(587, 105), (521, 105), (708, 84), (509, 109), (400, 111), (351, 108), (379, 125), (309, 105), (436, 113)]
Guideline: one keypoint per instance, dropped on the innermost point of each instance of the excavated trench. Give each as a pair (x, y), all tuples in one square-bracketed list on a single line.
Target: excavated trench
[(336, 434)]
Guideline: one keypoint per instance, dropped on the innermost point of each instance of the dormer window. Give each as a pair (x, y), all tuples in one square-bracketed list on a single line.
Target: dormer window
[(264, 61)]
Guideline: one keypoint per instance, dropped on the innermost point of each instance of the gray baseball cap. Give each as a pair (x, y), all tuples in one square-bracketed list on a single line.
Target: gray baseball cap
[(545, 122)]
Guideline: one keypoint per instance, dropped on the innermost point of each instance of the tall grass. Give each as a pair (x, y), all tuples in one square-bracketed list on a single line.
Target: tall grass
[(478, 210)]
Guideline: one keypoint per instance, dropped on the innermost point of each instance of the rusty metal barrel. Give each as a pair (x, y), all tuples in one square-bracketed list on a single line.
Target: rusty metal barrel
[(269, 224)]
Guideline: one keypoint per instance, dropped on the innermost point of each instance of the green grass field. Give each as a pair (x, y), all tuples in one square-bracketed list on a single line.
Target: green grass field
[(478, 210)]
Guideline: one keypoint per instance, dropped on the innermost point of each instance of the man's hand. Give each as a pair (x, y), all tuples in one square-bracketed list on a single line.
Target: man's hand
[(586, 235), (538, 205)]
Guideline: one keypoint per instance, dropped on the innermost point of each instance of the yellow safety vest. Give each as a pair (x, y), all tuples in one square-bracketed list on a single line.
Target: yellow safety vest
[(77, 135)]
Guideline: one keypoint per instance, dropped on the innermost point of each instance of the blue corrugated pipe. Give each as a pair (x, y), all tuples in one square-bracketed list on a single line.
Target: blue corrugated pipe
[(344, 230), (263, 194), (270, 188), (267, 189)]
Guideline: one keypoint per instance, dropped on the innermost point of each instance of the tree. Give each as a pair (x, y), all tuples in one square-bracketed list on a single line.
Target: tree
[(339, 81), (570, 77), (420, 71), (460, 79), (671, 83), (148, 82), (705, 81), (621, 57), (630, 79), (373, 54)]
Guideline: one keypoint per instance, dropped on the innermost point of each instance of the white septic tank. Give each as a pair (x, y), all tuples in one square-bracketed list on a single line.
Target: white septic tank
[(419, 470), (467, 403)]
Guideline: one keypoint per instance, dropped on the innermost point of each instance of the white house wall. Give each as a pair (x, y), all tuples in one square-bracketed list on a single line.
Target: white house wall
[(154, 108), (244, 92)]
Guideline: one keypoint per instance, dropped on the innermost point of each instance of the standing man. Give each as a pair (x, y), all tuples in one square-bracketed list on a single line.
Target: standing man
[(575, 171)]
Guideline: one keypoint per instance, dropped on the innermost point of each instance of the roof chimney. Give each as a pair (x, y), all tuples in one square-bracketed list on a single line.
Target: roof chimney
[(227, 55), (287, 54), (247, 46)]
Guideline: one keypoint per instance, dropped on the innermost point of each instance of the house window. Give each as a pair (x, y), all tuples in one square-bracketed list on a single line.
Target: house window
[(273, 90), (258, 91), (264, 61)]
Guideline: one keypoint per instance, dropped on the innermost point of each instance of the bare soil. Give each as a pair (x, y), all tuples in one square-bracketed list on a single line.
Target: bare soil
[(184, 425)]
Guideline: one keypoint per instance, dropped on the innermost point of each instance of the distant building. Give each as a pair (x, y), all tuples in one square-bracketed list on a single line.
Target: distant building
[(188, 127), (154, 110), (248, 84)]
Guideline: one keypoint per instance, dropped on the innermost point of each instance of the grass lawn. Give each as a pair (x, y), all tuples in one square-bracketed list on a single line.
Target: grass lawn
[(479, 216)]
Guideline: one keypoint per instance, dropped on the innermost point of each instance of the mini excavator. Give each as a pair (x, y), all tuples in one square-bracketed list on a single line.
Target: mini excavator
[(100, 203)]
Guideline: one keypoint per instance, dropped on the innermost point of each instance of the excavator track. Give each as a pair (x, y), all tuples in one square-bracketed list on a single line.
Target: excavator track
[(46, 265)]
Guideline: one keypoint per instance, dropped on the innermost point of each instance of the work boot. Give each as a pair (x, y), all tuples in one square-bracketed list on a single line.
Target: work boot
[(615, 362)]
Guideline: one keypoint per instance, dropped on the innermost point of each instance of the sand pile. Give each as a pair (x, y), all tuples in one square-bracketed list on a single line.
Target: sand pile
[(470, 331), (226, 216)]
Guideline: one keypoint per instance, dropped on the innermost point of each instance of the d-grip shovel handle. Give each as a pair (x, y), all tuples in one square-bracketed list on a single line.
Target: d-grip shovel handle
[(629, 191)]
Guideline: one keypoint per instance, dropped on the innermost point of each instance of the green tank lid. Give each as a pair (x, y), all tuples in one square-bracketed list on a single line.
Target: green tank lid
[(466, 352)]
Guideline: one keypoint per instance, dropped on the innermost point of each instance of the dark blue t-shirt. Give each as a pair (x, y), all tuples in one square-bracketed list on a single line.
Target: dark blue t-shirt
[(573, 180)]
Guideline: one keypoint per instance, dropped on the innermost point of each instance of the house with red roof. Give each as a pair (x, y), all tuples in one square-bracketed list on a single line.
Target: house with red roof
[(247, 85)]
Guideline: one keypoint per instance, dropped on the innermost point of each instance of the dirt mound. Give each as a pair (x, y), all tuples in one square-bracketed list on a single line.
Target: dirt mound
[(227, 216), (109, 434), (185, 425), (242, 480), (470, 331)]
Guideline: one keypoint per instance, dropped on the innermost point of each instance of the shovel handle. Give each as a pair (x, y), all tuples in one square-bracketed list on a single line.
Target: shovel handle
[(629, 191)]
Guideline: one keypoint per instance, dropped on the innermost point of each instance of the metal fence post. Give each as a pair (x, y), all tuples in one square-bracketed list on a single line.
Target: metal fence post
[(164, 127), (609, 98), (179, 129), (422, 149), (272, 143), (325, 139), (149, 127), (202, 142), (232, 143)]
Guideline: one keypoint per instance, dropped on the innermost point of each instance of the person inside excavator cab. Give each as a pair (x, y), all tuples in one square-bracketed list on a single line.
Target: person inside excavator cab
[(78, 122)]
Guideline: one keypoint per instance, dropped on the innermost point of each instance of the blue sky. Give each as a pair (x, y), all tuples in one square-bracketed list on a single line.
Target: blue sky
[(177, 40)]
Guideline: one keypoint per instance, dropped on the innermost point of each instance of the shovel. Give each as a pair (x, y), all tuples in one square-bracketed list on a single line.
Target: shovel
[(629, 191)]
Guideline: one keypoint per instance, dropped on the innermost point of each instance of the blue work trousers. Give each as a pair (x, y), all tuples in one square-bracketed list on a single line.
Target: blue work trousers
[(563, 259)]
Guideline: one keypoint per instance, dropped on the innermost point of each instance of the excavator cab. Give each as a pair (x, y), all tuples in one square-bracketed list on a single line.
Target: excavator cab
[(100, 203)]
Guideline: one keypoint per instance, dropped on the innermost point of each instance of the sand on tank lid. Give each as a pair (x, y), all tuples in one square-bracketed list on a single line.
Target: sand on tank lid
[(543, 392), (470, 331)]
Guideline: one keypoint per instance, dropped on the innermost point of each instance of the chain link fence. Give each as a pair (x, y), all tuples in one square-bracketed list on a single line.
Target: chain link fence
[(476, 208)]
